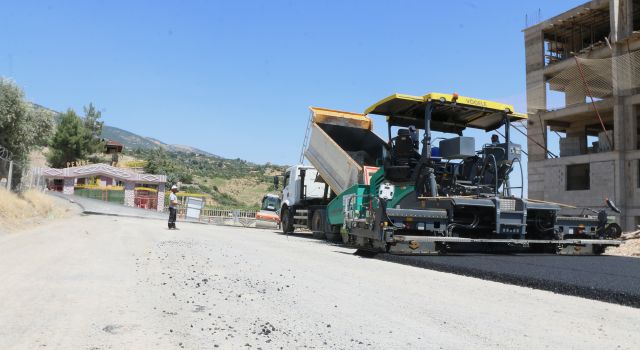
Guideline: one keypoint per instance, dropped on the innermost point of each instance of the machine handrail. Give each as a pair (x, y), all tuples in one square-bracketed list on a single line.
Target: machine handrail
[(495, 170)]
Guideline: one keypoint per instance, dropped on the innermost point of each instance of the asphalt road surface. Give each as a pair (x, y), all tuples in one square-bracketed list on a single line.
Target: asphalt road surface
[(608, 278), (104, 282)]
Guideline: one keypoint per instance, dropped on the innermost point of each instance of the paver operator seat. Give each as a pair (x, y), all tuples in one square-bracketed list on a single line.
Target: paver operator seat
[(404, 156)]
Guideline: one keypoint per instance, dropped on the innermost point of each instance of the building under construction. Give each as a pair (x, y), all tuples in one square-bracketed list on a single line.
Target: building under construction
[(589, 148)]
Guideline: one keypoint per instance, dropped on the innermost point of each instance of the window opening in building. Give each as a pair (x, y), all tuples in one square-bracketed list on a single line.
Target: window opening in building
[(553, 137), (578, 178), (592, 143), (575, 138)]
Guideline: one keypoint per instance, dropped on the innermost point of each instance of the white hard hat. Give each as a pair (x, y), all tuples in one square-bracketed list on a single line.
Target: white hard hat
[(174, 187)]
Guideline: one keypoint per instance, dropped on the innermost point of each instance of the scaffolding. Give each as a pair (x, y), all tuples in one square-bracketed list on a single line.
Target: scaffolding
[(578, 34)]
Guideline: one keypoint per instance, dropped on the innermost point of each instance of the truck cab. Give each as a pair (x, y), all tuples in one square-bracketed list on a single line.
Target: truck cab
[(300, 185), (303, 193)]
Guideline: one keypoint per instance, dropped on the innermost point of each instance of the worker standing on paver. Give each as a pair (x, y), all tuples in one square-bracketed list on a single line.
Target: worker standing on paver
[(173, 207)]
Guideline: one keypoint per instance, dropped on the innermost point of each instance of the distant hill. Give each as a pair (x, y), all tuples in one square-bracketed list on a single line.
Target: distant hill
[(134, 141), (129, 139)]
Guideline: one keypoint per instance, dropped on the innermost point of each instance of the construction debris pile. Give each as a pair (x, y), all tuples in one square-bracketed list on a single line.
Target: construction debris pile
[(631, 246)]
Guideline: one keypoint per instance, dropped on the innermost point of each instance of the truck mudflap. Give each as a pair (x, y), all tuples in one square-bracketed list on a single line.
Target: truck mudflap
[(425, 245)]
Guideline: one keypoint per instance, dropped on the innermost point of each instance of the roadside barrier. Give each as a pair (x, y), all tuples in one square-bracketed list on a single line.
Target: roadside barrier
[(228, 217)]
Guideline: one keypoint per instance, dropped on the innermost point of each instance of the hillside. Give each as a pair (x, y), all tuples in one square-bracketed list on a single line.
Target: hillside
[(134, 141), (230, 183), (129, 139)]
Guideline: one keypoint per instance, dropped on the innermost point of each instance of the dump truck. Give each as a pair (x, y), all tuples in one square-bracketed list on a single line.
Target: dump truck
[(407, 196), (344, 151)]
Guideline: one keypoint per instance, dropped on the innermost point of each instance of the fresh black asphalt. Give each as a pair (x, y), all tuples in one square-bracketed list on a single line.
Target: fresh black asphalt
[(611, 279)]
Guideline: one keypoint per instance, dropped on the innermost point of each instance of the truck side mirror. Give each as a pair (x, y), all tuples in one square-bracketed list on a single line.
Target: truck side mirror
[(275, 182)]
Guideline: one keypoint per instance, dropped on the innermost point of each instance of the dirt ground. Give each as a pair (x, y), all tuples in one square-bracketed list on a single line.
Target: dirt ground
[(30, 209), (104, 282), (630, 247)]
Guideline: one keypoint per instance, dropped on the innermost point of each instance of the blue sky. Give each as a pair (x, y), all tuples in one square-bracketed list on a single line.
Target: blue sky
[(235, 78)]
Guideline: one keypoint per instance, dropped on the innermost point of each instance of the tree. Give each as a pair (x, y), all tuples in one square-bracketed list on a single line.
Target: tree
[(186, 177), (76, 138), (156, 162), (69, 144), (93, 129), (23, 126), (159, 161)]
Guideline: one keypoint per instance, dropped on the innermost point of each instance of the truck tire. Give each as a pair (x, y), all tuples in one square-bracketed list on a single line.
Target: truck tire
[(287, 221), (318, 224), (334, 234), (599, 249), (613, 230)]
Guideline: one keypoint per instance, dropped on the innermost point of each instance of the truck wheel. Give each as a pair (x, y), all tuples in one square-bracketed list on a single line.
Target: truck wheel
[(317, 224), (613, 230), (334, 235), (599, 249), (287, 223)]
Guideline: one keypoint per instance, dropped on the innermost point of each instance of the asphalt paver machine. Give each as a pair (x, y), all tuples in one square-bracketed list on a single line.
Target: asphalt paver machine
[(426, 199)]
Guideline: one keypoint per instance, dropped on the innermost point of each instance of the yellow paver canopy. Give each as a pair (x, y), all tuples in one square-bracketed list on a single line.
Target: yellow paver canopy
[(450, 113)]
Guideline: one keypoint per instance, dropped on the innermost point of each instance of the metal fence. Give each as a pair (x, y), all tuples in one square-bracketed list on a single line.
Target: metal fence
[(6, 168), (33, 179), (229, 217), (17, 175), (104, 194)]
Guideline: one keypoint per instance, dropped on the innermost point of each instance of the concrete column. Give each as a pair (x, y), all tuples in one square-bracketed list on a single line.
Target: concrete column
[(536, 91), (68, 186), (534, 56), (621, 19), (161, 197), (129, 195), (578, 131), (536, 159), (536, 102)]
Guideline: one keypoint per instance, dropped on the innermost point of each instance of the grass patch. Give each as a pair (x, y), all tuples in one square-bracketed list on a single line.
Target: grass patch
[(19, 211)]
